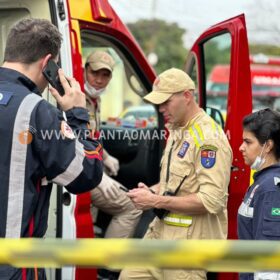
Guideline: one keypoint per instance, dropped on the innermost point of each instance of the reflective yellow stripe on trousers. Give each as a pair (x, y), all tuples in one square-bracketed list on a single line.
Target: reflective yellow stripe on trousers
[(178, 220)]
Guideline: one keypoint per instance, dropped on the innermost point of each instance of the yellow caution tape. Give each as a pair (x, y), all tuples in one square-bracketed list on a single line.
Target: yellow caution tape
[(212, 255)]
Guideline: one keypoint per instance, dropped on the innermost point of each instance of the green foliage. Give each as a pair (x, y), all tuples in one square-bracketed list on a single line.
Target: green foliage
[(164, 39), (265, 49)]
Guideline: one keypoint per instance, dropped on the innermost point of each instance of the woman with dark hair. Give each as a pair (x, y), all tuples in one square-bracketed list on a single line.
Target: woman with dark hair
[(259, 213)]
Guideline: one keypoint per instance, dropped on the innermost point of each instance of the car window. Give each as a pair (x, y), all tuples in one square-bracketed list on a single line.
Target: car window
[(217, 67), (145, 115)]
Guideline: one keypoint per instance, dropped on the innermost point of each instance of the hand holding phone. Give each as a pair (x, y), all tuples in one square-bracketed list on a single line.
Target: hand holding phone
[(74, 97), (50, 72)]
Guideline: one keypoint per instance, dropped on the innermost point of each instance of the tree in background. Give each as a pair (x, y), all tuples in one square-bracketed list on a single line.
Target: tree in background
[(166, 41), (265, 49), (162, 38)]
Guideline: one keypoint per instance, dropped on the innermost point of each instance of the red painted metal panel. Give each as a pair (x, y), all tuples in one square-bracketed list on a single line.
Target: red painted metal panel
[(239, 105), (101, 10)]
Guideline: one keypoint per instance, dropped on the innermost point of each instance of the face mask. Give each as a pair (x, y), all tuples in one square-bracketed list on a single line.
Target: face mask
[(259, 161), (92, 92)]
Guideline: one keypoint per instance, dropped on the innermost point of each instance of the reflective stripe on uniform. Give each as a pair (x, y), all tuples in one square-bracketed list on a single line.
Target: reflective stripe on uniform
[(199, 131), (17, 167), (74, 169), (244, 209), (178, 220), (197, 135), (266, 275)]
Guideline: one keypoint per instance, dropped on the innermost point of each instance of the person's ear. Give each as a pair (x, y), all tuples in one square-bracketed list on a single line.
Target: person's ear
[(45, 60), (269, 145), (187, 94)]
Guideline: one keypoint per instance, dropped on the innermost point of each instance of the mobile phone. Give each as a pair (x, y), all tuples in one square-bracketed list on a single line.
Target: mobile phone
[(123, 188), (50, 72)]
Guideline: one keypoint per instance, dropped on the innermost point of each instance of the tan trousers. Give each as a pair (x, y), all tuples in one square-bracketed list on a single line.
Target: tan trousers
[(157, 230), (125, 216), (161, 274)]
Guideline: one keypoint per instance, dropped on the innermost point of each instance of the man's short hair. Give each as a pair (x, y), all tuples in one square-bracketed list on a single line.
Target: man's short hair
[(31, 39)]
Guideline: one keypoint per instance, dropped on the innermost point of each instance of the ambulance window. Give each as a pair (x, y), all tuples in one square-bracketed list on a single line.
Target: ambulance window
[(217, 51), (121, 103)]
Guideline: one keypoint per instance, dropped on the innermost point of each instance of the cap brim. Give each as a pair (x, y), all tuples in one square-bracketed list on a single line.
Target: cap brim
[(157, 97), (98, 66)]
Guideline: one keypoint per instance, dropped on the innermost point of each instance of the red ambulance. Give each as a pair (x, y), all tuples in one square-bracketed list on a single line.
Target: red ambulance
[(88, 25)]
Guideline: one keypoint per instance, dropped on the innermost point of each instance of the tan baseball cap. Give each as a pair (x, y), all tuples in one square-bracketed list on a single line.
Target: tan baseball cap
[(167, 83), (100, 60)]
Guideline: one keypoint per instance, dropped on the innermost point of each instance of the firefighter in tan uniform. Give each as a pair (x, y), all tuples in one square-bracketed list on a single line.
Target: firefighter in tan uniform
[(107, 196), (191, 198)]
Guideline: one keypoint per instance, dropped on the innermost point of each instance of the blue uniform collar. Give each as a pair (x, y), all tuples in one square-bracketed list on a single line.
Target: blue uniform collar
[(262, 172), (10, 75)]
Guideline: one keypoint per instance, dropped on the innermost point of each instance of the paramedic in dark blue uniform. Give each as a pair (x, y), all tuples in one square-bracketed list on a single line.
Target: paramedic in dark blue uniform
[(259, 213), (39, 144)]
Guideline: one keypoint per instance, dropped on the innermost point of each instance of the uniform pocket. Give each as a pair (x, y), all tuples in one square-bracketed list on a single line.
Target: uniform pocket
[(178, 171)]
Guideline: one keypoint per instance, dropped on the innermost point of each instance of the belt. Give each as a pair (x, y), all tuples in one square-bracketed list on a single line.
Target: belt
[(178, 220)]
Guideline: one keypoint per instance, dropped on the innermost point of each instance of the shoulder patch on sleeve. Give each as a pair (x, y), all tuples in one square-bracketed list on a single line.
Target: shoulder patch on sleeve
[(66, 130), (5, 97), (208, 155)]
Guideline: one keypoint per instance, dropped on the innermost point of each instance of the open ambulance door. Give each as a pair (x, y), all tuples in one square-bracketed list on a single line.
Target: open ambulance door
[(226, 43)]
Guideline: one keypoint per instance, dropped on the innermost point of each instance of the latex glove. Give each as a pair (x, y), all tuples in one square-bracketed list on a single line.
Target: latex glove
[(108, 187), (112, 164)]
